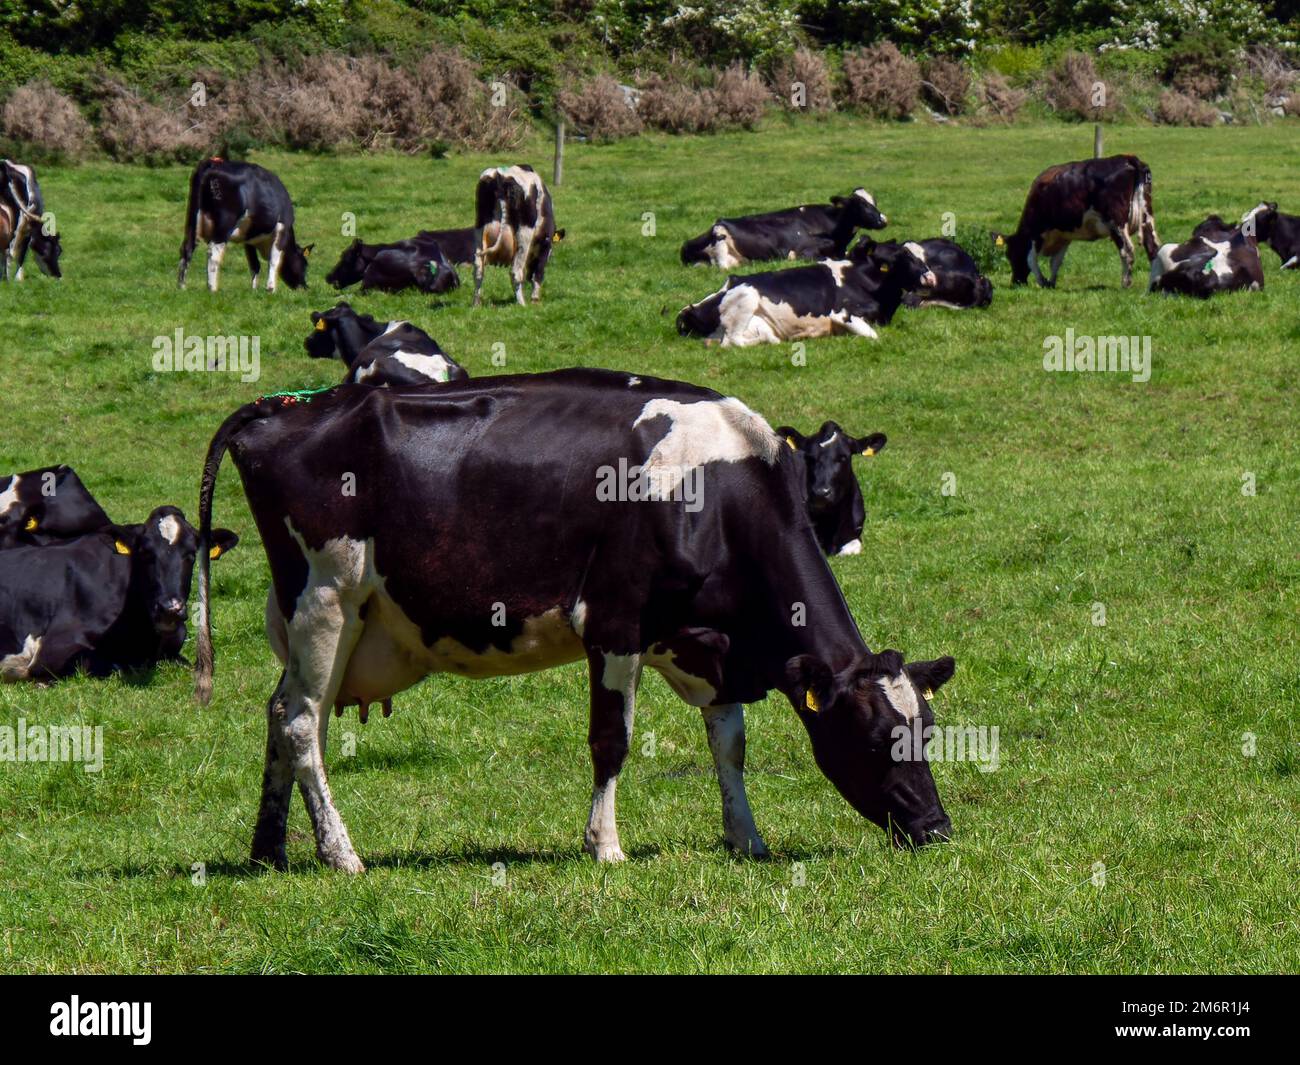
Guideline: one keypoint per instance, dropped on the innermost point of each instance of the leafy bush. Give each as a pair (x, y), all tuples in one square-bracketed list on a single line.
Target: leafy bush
[(977, 243), (44, 123), (600, 109), (1201, 65), (1018, 64), (881, 81)]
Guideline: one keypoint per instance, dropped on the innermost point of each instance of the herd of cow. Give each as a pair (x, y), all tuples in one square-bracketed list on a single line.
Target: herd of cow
[(416, 521)]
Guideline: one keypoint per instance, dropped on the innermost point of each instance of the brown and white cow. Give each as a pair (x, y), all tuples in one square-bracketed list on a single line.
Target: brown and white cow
[(1089, 200), (514, 226)]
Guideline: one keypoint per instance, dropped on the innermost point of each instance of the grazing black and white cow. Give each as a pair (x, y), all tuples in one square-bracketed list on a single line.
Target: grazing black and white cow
[(958, 281), (110, 600), (833, 496), (1279, 231), (1088, 200), (23, 224), (1218, 258), (379, 353), (417, 262), (648, 509), (834, 297), (813, 231), (514, 225), (47, 504), (243, 203)]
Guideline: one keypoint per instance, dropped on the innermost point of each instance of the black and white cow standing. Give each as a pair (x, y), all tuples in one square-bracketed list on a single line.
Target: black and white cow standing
[(22, 215), (834, 498), (665, 527), (242, 203), (1216, 259), (831, 298), (417, 262), (1279, 231), (109, 600), (379, 353), (958, 282), (47, 504), (514, 225), (813, 231)]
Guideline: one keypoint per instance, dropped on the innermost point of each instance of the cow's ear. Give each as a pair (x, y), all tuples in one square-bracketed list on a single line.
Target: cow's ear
[(794, 439), (933, 675), (998, 239), (222, 540), (306, 250), (870, 445), (838, 201), (809, 680), (124, 537), (559, 236)]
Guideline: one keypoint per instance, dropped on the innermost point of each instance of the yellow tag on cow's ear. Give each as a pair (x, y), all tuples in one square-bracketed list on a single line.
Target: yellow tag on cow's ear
[(320, 325), (999, 242), (884, 268), (122, 549), (810, 701), (793, 446), (214, 551), (929, 694), (869, 452), (31, 524)]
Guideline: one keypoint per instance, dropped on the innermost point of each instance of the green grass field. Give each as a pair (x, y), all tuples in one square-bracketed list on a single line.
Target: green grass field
[(1120, 744)]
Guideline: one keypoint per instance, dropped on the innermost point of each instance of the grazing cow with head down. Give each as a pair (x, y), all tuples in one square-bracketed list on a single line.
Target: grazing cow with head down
[(417, 262), (649, 506), (242, 203), (958, 282), (833, 496), (1218, 258), (1279, 231), (109, 600), (379, 353), (514, 225), (831, 298), (1088, 200), (48, 504), (23, 224), (813, 231)]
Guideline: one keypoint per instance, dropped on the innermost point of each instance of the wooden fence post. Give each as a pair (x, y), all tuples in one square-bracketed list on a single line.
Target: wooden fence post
[(1096, 141), (559, 151)]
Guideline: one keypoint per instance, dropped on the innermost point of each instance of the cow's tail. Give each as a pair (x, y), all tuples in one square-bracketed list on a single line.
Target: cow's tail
[(203, 657), (192, 218), (1141, 213)]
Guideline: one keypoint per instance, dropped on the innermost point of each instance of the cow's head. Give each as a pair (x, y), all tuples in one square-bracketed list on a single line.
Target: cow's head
[(445, 277), (861, 210), (293, 264), (828, 455), (162, 550), (1016, 248), (1258, 221), (351, 266), (864, 724), (46, 248), (322, 341), (891, 264)]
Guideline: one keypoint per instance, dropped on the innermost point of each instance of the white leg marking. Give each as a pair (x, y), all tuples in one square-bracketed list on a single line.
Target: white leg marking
[(216, 252), (622, 674), (725, 726)]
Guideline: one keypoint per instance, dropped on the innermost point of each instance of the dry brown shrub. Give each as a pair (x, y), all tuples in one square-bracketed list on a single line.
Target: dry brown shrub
[(135, 130), (1291, 105), (1179, 109), (1074, 89), (1273, 70), (881, 81), (1000, 98), (600, 109), (672, 105), (947, 85), (740, 97), (805, 73), (39, 115)]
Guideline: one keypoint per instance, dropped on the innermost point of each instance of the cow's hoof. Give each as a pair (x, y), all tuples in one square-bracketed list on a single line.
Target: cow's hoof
[(748, 848), (344, 863), (605, 852), (271, 857)]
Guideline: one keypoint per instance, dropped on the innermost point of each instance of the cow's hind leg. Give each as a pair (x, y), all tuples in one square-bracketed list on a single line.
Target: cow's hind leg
[(1058, 257), (725, 726), (1125, 245), (614, 680), (277, 786), (519, 267), (254, 264), (216, 252)]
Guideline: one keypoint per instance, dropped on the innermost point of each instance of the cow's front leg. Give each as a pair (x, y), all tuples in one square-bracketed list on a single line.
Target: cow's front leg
[(725, 726), (1034, 251), (1125, 245), (614, 680), (216, 253), (254, 263)]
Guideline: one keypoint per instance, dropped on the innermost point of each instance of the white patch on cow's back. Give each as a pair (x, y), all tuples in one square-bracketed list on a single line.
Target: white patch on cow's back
[(837, 268), (901, 694), (169, 528), (712, 430), (18, 666), (632, 382), (1219, 264), (722, 252), (434, 367), (9, 497)]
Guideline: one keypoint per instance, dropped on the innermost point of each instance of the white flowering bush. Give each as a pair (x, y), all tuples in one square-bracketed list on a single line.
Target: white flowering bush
[(1153, 24)]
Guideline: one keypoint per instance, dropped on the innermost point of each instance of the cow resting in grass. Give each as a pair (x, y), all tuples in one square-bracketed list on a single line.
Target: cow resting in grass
[(514, 226), (1218, 258), (417, 262), (831, 298), (834, 499), (813, 231), (1089, 200), (51, 503), (379, 353), (666, 527), (958, 284), (242, 203), (23, 224)]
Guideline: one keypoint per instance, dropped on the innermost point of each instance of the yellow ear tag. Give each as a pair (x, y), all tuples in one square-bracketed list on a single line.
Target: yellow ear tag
[(810, 701), (320, 325), (122, 549), (869, 452), (215, 551), (999, 242), (790, 440), (31, 524), (929, 694)]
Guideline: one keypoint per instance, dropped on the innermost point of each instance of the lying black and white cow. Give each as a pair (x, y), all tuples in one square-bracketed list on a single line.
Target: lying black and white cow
[(831, 489), (1279, 231), (813, 231), (456, 244), (1087, 200), (23, 224), (514, 225), (242, 203), (109, 600), (46, 504), (379, 353), (417, 262), (834, 297), (649, 508), (1216, 259), (958, 282)]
